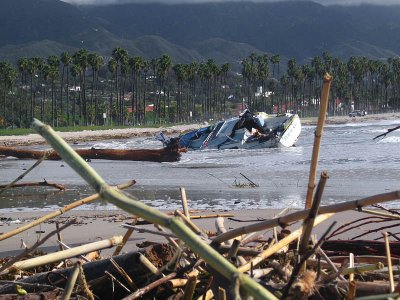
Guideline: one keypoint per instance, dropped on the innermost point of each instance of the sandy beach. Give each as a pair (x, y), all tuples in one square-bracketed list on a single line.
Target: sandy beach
[(88, 135)]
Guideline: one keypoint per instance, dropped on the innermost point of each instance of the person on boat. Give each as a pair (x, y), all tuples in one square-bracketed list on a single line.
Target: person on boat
[(249, 121)]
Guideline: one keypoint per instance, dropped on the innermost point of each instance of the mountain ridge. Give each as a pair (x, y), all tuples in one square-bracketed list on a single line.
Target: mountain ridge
[(225, 32)]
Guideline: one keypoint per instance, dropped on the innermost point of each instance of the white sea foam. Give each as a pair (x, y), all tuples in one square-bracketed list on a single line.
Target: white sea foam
[(390, 140)]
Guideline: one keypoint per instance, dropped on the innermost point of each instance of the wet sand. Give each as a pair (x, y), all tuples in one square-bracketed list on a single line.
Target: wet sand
[(93, 226)]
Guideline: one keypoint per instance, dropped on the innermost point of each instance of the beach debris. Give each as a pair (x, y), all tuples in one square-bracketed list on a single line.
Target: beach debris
[(167, 154), (59, 212), (383, 135), (40, 183), (249, 182)]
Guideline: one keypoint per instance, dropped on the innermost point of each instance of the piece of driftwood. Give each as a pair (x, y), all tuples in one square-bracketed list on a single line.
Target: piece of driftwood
[(167, 154), (59, 212), (360, 247), (99, 284), (36, 245), (20, 177), (302, 214), (40, 183), (61, 255), (38, 296)]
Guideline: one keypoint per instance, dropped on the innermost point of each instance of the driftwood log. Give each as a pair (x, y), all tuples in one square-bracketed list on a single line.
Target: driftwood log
[(167, 154), (360, 247), (98, 282)]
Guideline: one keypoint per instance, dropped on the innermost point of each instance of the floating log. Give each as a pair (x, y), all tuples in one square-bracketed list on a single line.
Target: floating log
[(167, 154)]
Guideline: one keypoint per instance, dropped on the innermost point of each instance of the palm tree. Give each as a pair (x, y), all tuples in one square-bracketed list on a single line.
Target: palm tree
[(66, 60), (136, 64), (96, 62), (263, 76), (112, 67), (192, 70), (224, 71), (145, 68), (23, 67), (76, 72), (164, 65), (34, 65), (275, 60), (54, 63), (181, 75), (8, 76), (120, 56), (81, 58)]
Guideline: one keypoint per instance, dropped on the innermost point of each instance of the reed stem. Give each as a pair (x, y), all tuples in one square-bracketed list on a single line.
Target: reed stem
[(317, 140)]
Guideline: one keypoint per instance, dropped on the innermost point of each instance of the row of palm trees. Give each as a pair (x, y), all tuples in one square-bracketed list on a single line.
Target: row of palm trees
[(85, 88)]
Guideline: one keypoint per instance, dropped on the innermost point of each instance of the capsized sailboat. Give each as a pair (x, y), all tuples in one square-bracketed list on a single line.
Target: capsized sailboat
[(247, 131)]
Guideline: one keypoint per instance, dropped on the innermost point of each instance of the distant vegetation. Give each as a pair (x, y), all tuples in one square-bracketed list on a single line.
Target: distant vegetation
[(87, 89)]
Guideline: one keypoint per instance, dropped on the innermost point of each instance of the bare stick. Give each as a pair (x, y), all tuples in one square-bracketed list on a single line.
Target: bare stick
[(37, 244), (65, 246), (61, 255), (160, 233), (388, 131), (329, 261), (221, 293), (253, 184), (335, 208), (184, 203), (59, 212), (121, 271), (24, 174), (117, 281), (71, 282), (126, 237), (40, 183), (309, 221), (147, 263), (303, 259), (190, 288), (389, 261), (212, 216), (189, 223), (283, 242), (352, 284), (139, 293), (317, 140), (351, 265)]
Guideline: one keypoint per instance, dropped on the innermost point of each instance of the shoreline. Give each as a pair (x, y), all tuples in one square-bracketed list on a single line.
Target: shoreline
[(125, 133), (97, 225)]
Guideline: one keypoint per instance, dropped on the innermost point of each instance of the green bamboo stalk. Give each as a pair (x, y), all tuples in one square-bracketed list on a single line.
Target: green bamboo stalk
[(362, 269), (133, 206)]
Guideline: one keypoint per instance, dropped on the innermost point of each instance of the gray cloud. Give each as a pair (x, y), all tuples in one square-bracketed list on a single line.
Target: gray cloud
[(324, 2)]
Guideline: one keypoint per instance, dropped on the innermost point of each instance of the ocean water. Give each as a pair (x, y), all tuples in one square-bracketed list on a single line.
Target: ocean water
[(357, 167)]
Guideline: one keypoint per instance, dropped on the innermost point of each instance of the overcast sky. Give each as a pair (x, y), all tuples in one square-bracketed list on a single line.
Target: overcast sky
[(325, 2)]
